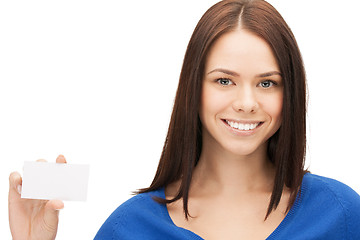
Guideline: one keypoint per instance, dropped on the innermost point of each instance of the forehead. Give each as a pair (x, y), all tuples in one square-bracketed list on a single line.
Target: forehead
[(241, 51)]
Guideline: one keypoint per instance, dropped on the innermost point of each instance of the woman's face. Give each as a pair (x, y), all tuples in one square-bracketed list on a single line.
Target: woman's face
[(242, 94)]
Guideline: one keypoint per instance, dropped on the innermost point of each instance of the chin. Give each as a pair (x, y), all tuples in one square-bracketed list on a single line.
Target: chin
[(245, 150)]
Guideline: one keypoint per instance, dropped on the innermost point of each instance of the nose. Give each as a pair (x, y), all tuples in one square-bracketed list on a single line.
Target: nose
[(245, 101)]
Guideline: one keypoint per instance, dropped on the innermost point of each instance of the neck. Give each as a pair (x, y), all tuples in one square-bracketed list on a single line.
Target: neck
[(220, 172)]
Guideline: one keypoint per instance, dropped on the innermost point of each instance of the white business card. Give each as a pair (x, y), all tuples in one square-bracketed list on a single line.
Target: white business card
[(43, 180)]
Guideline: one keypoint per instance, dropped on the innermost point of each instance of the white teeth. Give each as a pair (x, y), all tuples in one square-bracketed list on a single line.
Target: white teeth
[(241, 126)]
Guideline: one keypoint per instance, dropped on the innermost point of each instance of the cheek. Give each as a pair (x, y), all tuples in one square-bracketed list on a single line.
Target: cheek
[(273, 107), (212, 103)]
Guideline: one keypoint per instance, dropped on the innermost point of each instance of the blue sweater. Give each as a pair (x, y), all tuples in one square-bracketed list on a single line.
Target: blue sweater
[(326, 209)]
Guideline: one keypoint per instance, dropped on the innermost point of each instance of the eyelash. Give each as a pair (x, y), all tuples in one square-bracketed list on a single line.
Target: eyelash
[(232, 83)]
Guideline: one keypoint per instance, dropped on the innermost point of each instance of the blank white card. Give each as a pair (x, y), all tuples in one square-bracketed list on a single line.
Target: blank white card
[(43, 180)]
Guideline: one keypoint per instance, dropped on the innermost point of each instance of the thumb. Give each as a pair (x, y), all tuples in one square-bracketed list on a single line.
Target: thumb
[(15, 182)]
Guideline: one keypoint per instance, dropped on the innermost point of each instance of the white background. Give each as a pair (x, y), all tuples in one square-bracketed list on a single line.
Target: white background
[(96, 80)]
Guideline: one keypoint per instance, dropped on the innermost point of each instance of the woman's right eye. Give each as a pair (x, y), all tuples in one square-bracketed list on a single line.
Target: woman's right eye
[(224, 81)]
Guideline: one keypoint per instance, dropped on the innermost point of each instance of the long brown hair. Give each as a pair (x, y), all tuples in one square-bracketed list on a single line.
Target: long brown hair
[(286, 148)]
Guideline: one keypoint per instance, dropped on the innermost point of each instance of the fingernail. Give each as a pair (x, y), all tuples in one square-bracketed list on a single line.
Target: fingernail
[(19, 189), (60, 208)]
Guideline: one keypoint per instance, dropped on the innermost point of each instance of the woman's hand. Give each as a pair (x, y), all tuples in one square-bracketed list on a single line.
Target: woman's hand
[(32, 219)]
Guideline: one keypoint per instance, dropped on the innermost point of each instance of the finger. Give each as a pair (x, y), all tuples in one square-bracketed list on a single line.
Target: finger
[(55, 204), (15, 182), (51, 214), (60, 159), (41, 160)]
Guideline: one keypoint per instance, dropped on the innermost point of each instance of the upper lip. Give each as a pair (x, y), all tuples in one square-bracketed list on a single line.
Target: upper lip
[(243, 121)]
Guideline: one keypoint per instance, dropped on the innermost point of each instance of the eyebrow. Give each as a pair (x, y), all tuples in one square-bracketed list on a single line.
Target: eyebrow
[(228, 72), (268, 74), (235, 74)]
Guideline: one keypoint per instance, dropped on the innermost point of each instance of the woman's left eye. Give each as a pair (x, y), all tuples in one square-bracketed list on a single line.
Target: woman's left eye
[(267, 84)]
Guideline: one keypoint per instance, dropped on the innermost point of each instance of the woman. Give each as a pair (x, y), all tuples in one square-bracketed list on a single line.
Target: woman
[(232, 165)]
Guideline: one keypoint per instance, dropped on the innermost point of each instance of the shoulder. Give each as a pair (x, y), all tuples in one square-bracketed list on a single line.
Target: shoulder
[(140, 204), (329, 188), (332, 201), (136, 213)]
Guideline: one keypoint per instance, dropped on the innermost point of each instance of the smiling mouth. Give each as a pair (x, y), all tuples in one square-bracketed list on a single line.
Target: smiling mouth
[(243, 126)]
